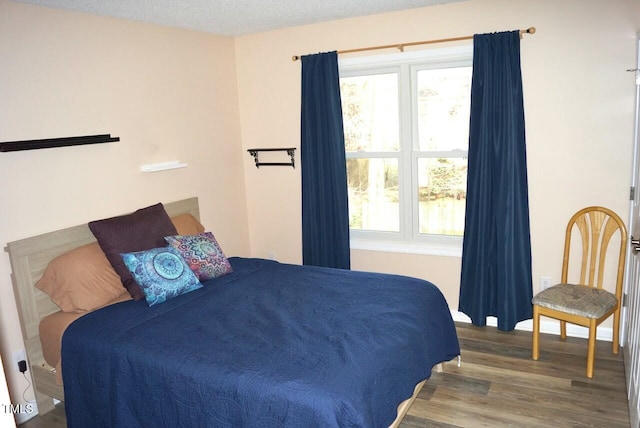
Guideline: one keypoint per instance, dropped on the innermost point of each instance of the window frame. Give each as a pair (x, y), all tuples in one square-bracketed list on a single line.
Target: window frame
[(407, 65)]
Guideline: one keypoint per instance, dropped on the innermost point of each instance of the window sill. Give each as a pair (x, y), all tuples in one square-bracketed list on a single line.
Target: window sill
[(430, 249)]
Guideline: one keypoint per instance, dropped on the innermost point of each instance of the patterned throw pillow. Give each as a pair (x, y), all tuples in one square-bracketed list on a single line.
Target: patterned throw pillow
[(202, 253), (161, 273)]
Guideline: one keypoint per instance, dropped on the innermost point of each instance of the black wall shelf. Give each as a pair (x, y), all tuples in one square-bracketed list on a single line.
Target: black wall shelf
[(290, 151), (47, 143)]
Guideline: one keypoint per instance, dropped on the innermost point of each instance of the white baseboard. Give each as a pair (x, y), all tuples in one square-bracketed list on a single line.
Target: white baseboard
[(547, 325)]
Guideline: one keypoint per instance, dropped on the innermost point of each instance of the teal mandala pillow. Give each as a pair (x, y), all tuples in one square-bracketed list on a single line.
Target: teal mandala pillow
[(161, 273), (202, 253)]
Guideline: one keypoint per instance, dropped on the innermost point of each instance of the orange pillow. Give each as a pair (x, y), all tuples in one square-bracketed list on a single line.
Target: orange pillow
[(81, 280), (186, 224)]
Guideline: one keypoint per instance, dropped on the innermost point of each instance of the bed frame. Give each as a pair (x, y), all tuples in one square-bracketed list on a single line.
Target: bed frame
[(29, 258)]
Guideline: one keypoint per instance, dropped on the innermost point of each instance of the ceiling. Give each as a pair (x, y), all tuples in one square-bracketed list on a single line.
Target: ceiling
[(234, 17)]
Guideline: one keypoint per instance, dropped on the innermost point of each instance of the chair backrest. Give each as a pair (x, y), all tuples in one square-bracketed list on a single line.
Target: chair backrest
[(596, 226)]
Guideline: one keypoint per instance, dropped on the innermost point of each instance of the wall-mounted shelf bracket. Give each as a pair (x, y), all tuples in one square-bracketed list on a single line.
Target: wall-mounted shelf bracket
[(47, 143), (290, 151)]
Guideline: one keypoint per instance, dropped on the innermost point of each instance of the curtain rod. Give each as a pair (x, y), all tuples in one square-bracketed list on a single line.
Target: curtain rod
[(401, 46)]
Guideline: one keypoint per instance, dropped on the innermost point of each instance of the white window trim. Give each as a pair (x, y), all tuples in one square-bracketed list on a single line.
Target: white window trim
[(450, 246), (412, 242), (431, 55)]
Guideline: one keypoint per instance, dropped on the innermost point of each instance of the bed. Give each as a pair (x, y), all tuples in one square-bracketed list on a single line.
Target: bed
[(268, 344)]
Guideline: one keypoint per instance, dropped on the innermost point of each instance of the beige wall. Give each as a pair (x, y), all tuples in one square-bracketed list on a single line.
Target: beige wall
[(578, 103), (169, 94)]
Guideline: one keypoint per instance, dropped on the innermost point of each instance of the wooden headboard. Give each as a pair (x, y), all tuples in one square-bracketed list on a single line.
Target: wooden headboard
[(29, 258)]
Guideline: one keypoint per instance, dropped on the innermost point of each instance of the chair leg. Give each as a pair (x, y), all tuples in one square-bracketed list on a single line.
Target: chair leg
[(616, 332), (591, 348), (536, 333), (563, 330)]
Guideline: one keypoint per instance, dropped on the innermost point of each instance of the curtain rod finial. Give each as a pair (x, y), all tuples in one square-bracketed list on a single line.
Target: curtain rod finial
[(295, 58), (530, 30)]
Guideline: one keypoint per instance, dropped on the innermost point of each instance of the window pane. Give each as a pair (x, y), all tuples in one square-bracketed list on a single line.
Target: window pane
[(370, 112), (442, 185), (444, 102), (373, 194)]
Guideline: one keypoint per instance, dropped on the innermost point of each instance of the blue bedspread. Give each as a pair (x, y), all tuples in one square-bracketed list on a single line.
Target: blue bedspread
[(269, 345)]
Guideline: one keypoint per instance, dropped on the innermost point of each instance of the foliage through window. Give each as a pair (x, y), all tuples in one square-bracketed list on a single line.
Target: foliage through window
[(406, 130)]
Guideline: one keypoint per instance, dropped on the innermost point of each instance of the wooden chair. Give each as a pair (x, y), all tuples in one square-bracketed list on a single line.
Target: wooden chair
[(585, 302)]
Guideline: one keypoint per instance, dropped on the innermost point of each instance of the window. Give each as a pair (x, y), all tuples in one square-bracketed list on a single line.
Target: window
[(406, 123)]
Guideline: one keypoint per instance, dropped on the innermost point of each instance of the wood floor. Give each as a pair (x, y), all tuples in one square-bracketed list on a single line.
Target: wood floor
[(499, 385)]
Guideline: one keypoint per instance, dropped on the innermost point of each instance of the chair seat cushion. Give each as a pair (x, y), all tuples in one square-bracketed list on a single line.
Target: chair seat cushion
[(576, 299)]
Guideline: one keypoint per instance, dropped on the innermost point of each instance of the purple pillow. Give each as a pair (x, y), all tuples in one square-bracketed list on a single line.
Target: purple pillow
[(142, 230), (202, 253)]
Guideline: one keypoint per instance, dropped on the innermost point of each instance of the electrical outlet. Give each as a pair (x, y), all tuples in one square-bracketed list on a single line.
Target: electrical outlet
[(545, 282), (18, 356)]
